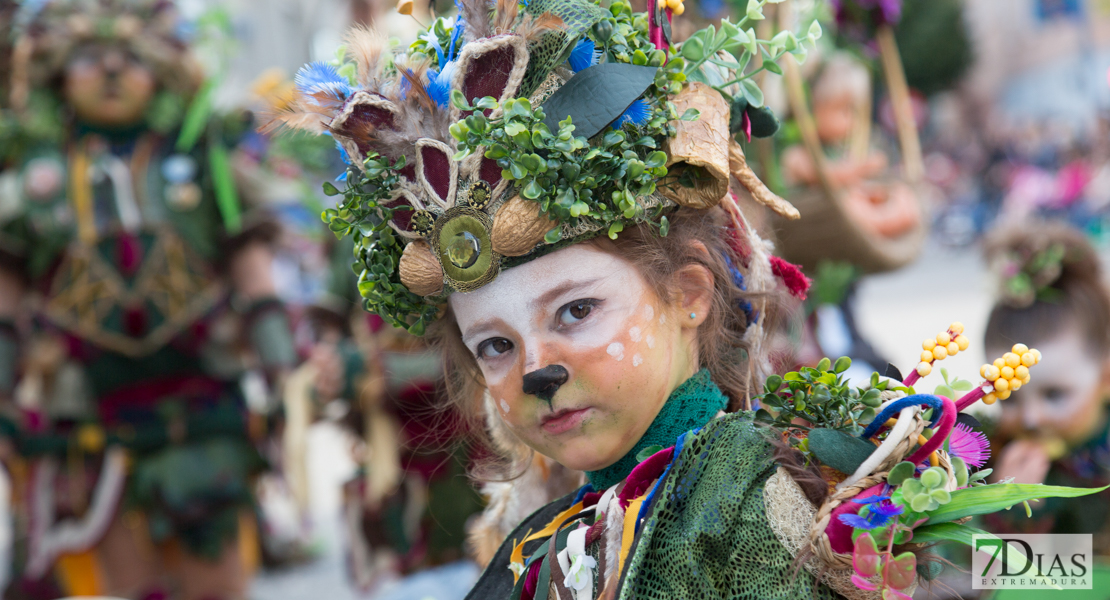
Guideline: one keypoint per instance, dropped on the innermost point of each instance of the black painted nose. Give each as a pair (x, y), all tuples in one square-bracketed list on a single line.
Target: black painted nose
[(543, 383)]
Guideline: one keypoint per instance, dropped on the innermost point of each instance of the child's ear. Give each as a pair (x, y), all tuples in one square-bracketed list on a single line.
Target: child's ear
[(696, 285)]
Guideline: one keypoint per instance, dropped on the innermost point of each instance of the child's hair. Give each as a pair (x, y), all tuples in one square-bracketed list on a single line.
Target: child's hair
[(1048, 273), (723, 347), (842, 75)]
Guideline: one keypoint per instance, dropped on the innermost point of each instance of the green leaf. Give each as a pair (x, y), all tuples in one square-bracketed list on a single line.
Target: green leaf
[(824, 364), (842, 364), (900, 473), (991, 498), (487, 103), (691, 114), (459, 101), (532, 191), (752, 93), (553, 236), (774, 382), (773, 67), (196, 118), (330, 190), (597, 95), (614, 229), (647, 453), (693, 49)]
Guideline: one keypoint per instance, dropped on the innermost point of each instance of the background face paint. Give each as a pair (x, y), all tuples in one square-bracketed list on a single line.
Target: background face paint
[(623, 356)]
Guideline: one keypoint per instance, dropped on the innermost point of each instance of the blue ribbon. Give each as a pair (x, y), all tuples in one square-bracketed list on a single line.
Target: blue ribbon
[(896, 407)]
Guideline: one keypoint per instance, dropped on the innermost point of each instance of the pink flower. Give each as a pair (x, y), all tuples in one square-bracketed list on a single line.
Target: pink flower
[(970, 445)]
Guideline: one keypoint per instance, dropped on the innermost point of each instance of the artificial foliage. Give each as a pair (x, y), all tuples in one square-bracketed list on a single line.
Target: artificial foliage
[(588, 154)]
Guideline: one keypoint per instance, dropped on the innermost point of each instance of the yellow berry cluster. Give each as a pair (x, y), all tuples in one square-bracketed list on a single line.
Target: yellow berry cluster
[(1010, 372), (675, 5), (947, 343)]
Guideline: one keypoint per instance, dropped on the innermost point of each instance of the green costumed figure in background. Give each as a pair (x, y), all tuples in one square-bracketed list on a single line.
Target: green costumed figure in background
[(137, 311)]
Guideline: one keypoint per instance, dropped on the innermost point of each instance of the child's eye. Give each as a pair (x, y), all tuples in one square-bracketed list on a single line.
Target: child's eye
[(1055, 394), (494, 347), (574, 312)]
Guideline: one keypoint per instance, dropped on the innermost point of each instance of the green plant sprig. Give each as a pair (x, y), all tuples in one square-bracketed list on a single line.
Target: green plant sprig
[(362, 214), (821, 397), (742, 45), (569, 176)]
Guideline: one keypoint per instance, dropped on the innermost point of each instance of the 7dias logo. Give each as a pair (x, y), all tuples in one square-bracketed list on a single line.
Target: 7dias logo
[(1033, 561)]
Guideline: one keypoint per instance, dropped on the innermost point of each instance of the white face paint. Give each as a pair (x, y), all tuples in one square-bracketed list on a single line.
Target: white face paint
[(580, 308)]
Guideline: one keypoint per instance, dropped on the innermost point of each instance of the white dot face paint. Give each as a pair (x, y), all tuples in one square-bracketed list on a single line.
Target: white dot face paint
[(662, 318), (650, 341), (582, 308)]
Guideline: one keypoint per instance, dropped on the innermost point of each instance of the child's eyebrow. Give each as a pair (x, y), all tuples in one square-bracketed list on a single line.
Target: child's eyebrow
[(567, 286)]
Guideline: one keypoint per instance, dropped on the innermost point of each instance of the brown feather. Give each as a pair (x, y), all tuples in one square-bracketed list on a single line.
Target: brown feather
[(477, 15), (532, 27), (505, 16), (366, 47), (293, 118)]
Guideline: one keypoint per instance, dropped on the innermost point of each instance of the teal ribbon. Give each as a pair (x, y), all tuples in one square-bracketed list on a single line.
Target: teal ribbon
[(690, 406)]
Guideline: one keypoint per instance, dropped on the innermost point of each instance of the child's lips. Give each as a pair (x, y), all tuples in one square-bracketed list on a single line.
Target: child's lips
[(563, 420)]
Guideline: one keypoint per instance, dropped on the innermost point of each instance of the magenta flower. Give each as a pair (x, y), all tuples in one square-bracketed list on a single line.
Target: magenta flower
[(970, 445)]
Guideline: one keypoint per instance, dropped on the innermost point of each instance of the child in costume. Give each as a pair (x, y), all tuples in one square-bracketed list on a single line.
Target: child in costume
[(531, 182), (1052, 293), (134, 297)]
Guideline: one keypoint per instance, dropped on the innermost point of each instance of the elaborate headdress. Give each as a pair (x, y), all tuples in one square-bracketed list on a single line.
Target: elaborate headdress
[(513, 130), (50, 30)]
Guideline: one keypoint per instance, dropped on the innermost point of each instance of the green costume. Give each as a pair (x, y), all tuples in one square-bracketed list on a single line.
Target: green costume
[(702, 530)]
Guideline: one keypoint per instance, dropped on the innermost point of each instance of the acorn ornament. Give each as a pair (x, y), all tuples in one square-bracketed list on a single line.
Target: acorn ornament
[(519, 227), (420, 272)]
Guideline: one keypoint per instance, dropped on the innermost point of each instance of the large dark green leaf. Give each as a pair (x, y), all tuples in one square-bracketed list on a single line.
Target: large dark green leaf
[(596, 96), (839, 450)]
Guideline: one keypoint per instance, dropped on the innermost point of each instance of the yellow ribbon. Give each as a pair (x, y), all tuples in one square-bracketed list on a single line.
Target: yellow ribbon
[(518, 550), (629, 532), (80, 192)]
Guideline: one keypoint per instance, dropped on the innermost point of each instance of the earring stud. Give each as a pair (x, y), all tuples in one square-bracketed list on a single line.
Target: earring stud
[(693, 315)]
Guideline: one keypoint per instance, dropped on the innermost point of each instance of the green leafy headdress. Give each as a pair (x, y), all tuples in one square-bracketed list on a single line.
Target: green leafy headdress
[(511, 130)]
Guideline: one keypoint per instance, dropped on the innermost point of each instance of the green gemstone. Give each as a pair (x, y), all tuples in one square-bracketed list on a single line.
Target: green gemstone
[(463, 249)]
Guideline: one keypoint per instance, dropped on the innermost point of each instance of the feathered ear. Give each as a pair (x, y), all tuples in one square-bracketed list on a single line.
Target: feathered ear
[(436, 172), (402, 219), (490, 67), (356, 125)]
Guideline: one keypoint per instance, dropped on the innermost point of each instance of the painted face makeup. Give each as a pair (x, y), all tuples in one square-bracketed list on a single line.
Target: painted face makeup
[(1064, 399), (591, 313)]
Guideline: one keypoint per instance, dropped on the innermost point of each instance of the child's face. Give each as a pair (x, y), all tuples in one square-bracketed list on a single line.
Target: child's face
[(834, 118), (591, 313), (1064, 398)]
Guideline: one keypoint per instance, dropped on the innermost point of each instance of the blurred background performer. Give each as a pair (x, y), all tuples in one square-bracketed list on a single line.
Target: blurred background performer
[(135, 294), (1056, 432)]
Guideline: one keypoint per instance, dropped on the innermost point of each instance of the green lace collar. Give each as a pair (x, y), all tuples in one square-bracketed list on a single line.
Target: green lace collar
[(690, 405)]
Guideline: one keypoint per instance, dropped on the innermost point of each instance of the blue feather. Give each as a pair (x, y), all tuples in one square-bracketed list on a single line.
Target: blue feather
[(460, 26), (585, 54), (319, 77), (637, 114), (439, 84)]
